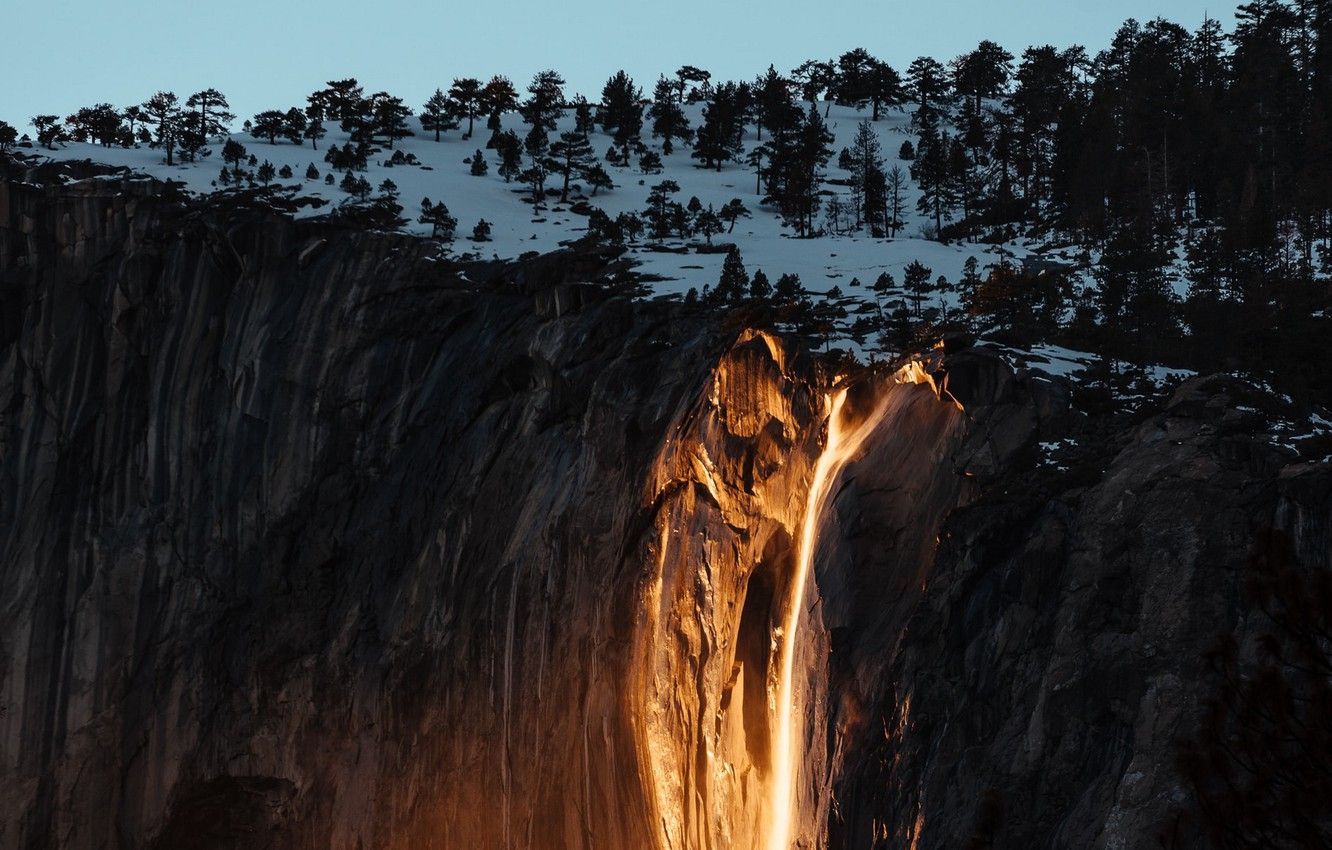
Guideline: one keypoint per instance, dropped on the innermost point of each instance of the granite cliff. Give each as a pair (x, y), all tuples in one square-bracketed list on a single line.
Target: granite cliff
[(310, 538)]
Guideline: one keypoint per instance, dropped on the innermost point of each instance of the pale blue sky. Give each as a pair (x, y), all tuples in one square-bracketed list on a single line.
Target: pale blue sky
[(60, 54)]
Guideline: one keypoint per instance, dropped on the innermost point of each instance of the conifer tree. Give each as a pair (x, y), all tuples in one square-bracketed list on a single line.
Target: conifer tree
[(668, 119), (773, 107), (442, 224), (466, 98), (732, 211), (718, 139), (621, 113), (388, 117), (50, 131), (213, 113), (867, 175), (314, 127), (733, 284), (916, 280), (535, 177), (163, 111), (984, 72), (437, 114), (234, 152), (708, 223), (584, 120), (545, 100), (269, 124), (497, 97), (479, 166), (341, 100), (293, 125), (8, 136), (813, 78), (597, 178), (928, 81), (931, 172), (658, 213), (569, 155), (759, 287), (511, 155)]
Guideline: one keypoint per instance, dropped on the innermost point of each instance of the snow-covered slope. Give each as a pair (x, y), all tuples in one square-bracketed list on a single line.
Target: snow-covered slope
[(443, 175)]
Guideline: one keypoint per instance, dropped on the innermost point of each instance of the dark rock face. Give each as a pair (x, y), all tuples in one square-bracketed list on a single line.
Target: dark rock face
[(1056, 657), (302, 513), (311, 540)]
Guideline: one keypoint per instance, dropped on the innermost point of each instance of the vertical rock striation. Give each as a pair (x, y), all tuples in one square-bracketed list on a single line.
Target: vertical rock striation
[(310, 539)]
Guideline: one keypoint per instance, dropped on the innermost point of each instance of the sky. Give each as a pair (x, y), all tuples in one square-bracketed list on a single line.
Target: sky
[(58, 55)]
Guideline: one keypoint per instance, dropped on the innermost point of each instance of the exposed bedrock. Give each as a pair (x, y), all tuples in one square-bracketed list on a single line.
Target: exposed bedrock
[(309, 539)]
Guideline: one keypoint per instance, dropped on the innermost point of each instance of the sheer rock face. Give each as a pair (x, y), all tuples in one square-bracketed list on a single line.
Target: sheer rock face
[(308, 540)]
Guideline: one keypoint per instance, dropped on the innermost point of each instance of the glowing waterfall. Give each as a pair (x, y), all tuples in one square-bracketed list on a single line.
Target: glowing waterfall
[(840, 446), (844, 441)]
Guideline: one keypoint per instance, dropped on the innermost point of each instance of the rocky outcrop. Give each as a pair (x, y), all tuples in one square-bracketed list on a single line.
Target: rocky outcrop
[(312, 539)]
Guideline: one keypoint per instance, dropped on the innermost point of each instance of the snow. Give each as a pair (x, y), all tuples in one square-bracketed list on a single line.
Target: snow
[(443, 175)]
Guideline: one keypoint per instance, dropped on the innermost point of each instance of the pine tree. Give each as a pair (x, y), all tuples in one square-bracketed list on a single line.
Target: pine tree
[(163, 111), (479, 165), (233, 152), (621, 113), (388, 117), (437, 114), (311, 173), (265, 172), (931, 172), (814, 79), (687, 75), (341, 100), (293, 125), (668, 119), (597, 178), (269, 124), (497, 97), (481, 232), (773, 107), (658, 213), (862, 79), (759, 287), (708, 223), (213, 113), (314, 127), (511, 155), (535, 177), (732, 211), (442, 224), (630, 224), (928, 82), (569, 155), (467, 100), (545, 100), (733, 284), (649, 162), (867, 175), (916, 280), (584, 119), (984, 72), (789, 289), (8, 136), (718, 139)]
